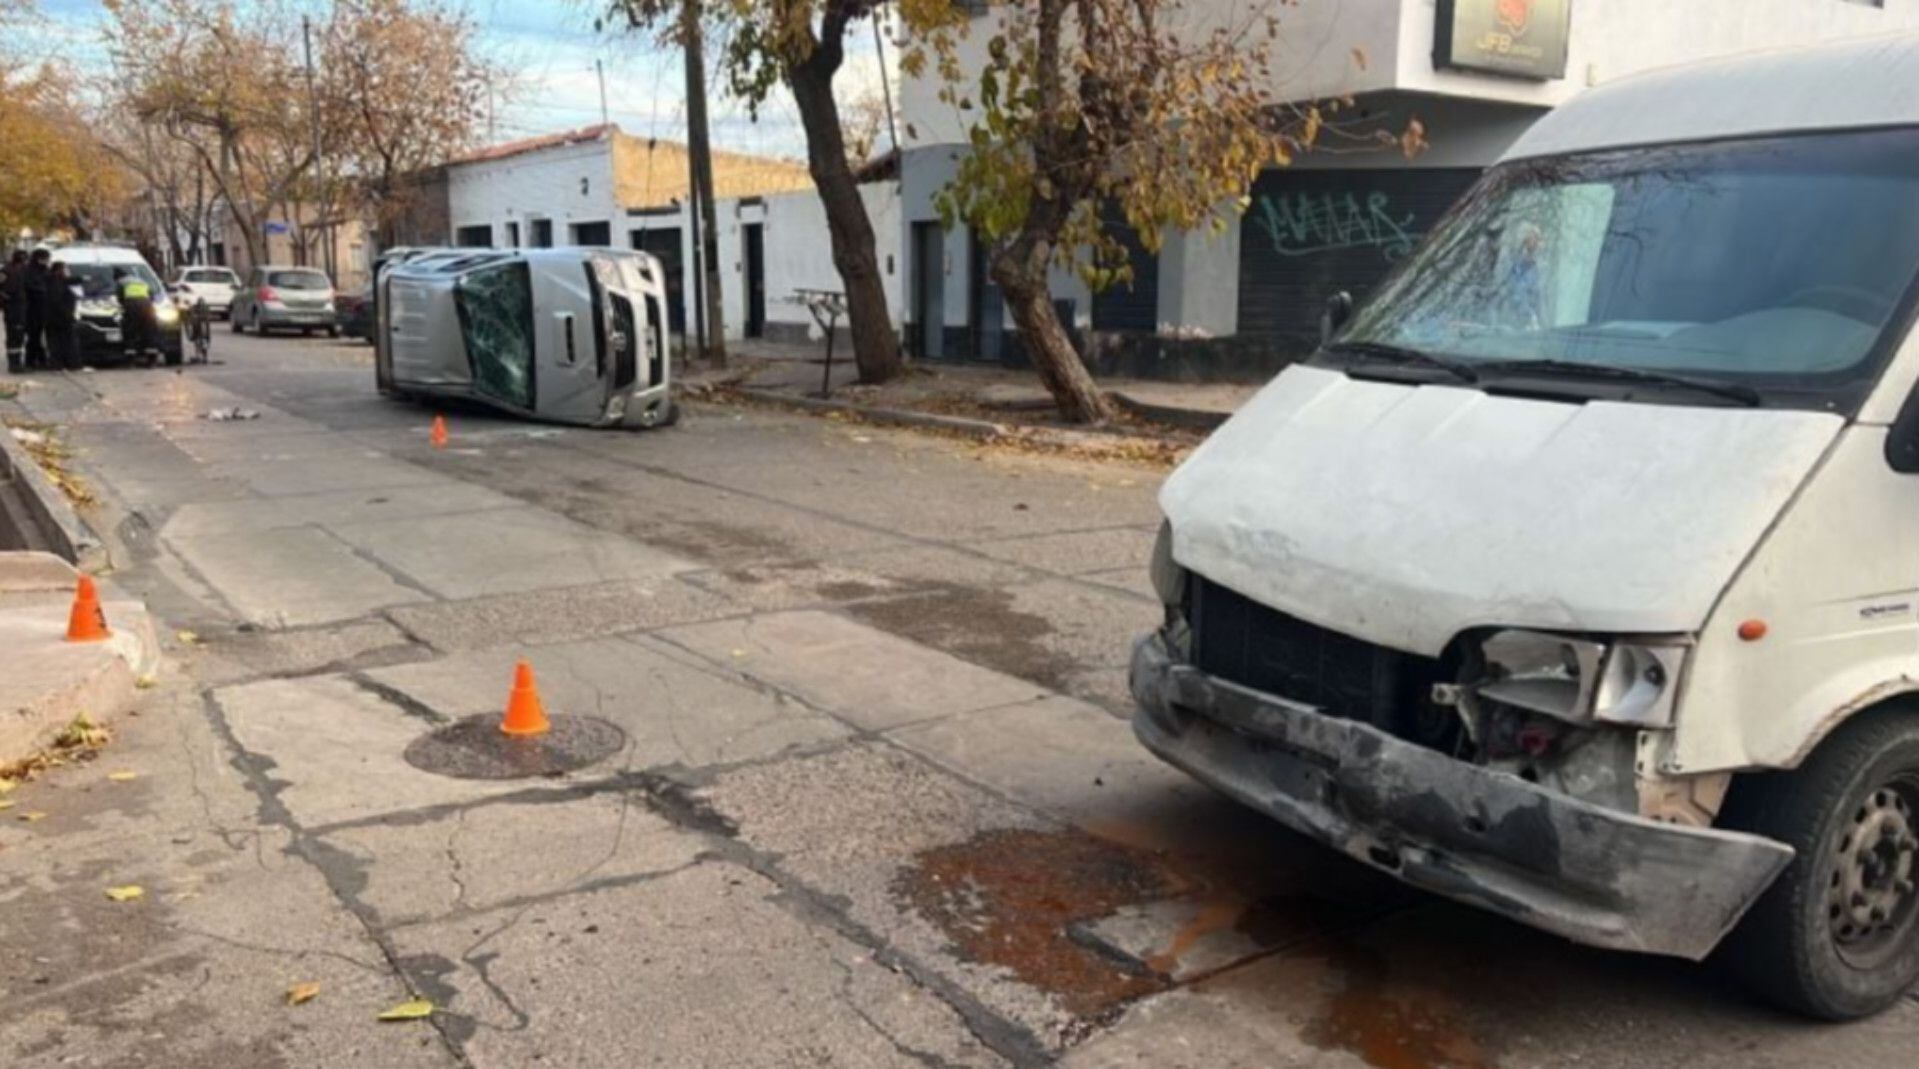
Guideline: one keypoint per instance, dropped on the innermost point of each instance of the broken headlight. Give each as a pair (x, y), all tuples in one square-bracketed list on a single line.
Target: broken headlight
[(1580, 680), (1169, 579)]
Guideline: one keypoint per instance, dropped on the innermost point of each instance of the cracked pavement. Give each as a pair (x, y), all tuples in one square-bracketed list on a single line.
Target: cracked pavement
[(877, 803)]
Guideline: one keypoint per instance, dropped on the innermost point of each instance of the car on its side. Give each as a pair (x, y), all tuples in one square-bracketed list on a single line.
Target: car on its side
[(97, 326), (285, 298), (217, 286), (574, 335)]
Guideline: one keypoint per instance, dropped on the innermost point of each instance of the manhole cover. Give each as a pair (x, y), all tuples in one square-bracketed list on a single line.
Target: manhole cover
[(476, 748)]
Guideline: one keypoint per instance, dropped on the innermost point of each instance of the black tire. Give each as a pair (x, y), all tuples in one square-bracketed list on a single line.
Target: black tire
[(174, 357), (333, 332), (672, 414), (234, 322), (1837, 935)]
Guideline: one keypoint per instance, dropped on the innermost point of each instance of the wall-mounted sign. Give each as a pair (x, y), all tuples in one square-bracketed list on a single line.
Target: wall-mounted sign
[(1522, 38)]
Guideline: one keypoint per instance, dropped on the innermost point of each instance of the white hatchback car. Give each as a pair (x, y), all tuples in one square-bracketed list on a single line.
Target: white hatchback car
[(214, 285)]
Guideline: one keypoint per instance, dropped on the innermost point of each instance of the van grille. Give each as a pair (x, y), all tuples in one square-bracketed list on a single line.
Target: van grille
[(1244, 642)]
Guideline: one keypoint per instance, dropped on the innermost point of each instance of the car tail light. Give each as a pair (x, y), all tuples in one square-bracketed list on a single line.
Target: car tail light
[(268, 293)]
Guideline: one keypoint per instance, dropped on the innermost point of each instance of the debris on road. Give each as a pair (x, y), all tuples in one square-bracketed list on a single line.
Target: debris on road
[(126, 893), (302, 993), (227, 415), (409, 1011)]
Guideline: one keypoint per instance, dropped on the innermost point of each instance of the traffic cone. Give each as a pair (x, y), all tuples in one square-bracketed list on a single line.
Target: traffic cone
[(87, 622), (524, 713), (439, 432)]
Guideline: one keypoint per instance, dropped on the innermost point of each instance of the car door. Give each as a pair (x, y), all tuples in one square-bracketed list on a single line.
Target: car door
[(581, 329)]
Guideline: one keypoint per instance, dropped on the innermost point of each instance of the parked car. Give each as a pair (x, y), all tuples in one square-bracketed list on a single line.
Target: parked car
[(97, 327), (1573, 577), (355, 312), (214, 285), (566, 335), (285, 298)]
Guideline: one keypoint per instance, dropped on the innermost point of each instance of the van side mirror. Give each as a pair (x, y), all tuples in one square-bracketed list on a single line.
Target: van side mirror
[(1339, 308)]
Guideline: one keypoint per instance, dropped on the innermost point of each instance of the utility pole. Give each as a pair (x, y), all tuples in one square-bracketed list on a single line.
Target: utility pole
[(699, 152), (599, 68), (886, 91), (319, 166)]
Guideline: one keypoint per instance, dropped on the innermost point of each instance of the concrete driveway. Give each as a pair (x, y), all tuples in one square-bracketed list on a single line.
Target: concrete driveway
[(873, 802)]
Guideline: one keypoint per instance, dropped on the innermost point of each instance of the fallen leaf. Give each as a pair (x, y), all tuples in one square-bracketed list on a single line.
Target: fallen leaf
[(32, 816), (4, 805), (7, 785), (126, 893), (188, 638), (409, 1011), (122, 776), (304, 992), (146, 683), (739, 653)]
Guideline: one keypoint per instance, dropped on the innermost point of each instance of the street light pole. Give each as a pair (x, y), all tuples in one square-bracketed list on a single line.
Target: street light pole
[(319, 165)]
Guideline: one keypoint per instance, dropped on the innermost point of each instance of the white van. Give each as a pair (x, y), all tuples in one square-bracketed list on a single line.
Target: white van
[(1577, 576)]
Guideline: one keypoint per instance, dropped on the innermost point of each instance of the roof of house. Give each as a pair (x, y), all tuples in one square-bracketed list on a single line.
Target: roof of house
[(534, 144), (1853, 84)]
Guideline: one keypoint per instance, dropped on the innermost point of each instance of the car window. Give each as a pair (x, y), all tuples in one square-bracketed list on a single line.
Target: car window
[(298, 280), (96, 280), (211, 276), (495, 308)]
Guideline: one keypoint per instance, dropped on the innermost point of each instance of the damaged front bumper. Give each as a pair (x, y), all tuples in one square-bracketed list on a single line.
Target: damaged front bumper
[(1486, 838)]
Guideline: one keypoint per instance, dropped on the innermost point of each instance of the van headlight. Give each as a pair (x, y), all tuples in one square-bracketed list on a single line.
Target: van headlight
[(1625, 681), (167, 313)]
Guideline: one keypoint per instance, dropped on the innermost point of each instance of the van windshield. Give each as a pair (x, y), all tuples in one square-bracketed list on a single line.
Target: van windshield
[(1775, 264)]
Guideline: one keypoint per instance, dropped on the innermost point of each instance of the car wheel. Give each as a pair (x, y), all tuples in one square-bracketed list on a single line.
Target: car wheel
[(234, 322), (174, 357), (1837, 935), (333, 332), (259, 325)]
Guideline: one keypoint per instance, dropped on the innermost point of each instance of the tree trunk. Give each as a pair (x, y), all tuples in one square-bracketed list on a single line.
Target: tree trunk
[(875, 347), (1020, 271)]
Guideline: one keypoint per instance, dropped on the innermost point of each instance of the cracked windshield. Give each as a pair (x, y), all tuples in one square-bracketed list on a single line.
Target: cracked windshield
[(1778, 260)]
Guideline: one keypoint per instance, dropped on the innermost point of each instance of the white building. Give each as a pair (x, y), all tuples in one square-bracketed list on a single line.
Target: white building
[(1475, 73), (600, 186)]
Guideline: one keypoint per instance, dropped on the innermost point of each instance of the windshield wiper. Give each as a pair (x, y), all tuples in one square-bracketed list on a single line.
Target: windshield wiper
[(1403, 355), (1732, 391)]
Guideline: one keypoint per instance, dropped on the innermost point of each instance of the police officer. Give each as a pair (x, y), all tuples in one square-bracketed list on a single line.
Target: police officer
[(39, 266), (13, 302), (62, 305), (136, 312)]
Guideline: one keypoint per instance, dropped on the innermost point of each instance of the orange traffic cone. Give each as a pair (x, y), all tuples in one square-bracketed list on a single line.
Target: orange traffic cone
[(87, 622), (524, 713), (439, 432)]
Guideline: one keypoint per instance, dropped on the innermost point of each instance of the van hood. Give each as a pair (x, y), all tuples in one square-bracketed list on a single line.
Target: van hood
[(1406, 514)]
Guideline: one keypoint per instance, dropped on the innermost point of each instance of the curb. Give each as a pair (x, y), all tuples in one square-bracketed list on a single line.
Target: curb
[(58, 523), (980, 429), (1199, 419)]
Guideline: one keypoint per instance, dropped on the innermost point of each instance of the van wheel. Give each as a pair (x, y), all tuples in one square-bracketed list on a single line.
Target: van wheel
[(1837, 935), (671, 417)]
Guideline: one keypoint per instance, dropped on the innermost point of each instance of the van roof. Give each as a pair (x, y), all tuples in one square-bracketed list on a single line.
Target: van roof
[(1854, 84), (97, 254)]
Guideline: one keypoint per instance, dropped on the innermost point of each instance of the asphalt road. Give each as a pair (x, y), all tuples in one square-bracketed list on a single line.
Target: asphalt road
[(871, 798)]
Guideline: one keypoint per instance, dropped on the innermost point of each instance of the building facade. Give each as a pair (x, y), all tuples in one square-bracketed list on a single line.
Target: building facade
[(1474, 73)]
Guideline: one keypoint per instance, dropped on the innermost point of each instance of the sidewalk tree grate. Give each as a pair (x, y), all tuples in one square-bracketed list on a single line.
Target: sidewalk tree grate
[(475, 748)]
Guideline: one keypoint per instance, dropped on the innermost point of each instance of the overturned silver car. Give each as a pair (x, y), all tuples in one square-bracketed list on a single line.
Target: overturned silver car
[(567, 335)]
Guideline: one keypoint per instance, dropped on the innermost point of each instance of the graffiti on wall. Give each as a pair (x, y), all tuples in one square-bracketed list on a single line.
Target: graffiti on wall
[(1304, 224)]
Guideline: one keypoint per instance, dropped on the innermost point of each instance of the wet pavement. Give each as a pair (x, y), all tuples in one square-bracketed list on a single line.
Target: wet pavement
[(849, 778)]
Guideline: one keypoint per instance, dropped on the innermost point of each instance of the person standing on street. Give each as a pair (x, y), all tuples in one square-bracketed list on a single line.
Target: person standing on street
[(39, 267), (13, 302), (136, 313), (62, 306)]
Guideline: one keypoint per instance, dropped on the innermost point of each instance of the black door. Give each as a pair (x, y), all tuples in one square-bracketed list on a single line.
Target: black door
[(542, 233), (664, 244), (929, 291), (1130, 306), (596, 235), (985, 307), (755, 280), (473, 237), (1310, 234)]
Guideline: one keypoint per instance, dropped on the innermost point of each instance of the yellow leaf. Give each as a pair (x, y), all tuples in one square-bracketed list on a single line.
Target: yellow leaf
[(122, 776), (409, 1011), (31, 817), (303, 992), (7, 805), (7, 785), (188, 638), (146, 683), (126, 893)]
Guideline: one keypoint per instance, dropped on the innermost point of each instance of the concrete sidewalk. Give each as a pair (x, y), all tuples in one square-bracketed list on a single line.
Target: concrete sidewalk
[(980, 391)]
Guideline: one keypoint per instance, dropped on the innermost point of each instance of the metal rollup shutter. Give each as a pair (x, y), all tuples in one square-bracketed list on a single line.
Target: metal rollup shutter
[(1309, 234)]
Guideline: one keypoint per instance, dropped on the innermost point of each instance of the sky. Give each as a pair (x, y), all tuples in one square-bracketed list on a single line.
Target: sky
[(549, 47)]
